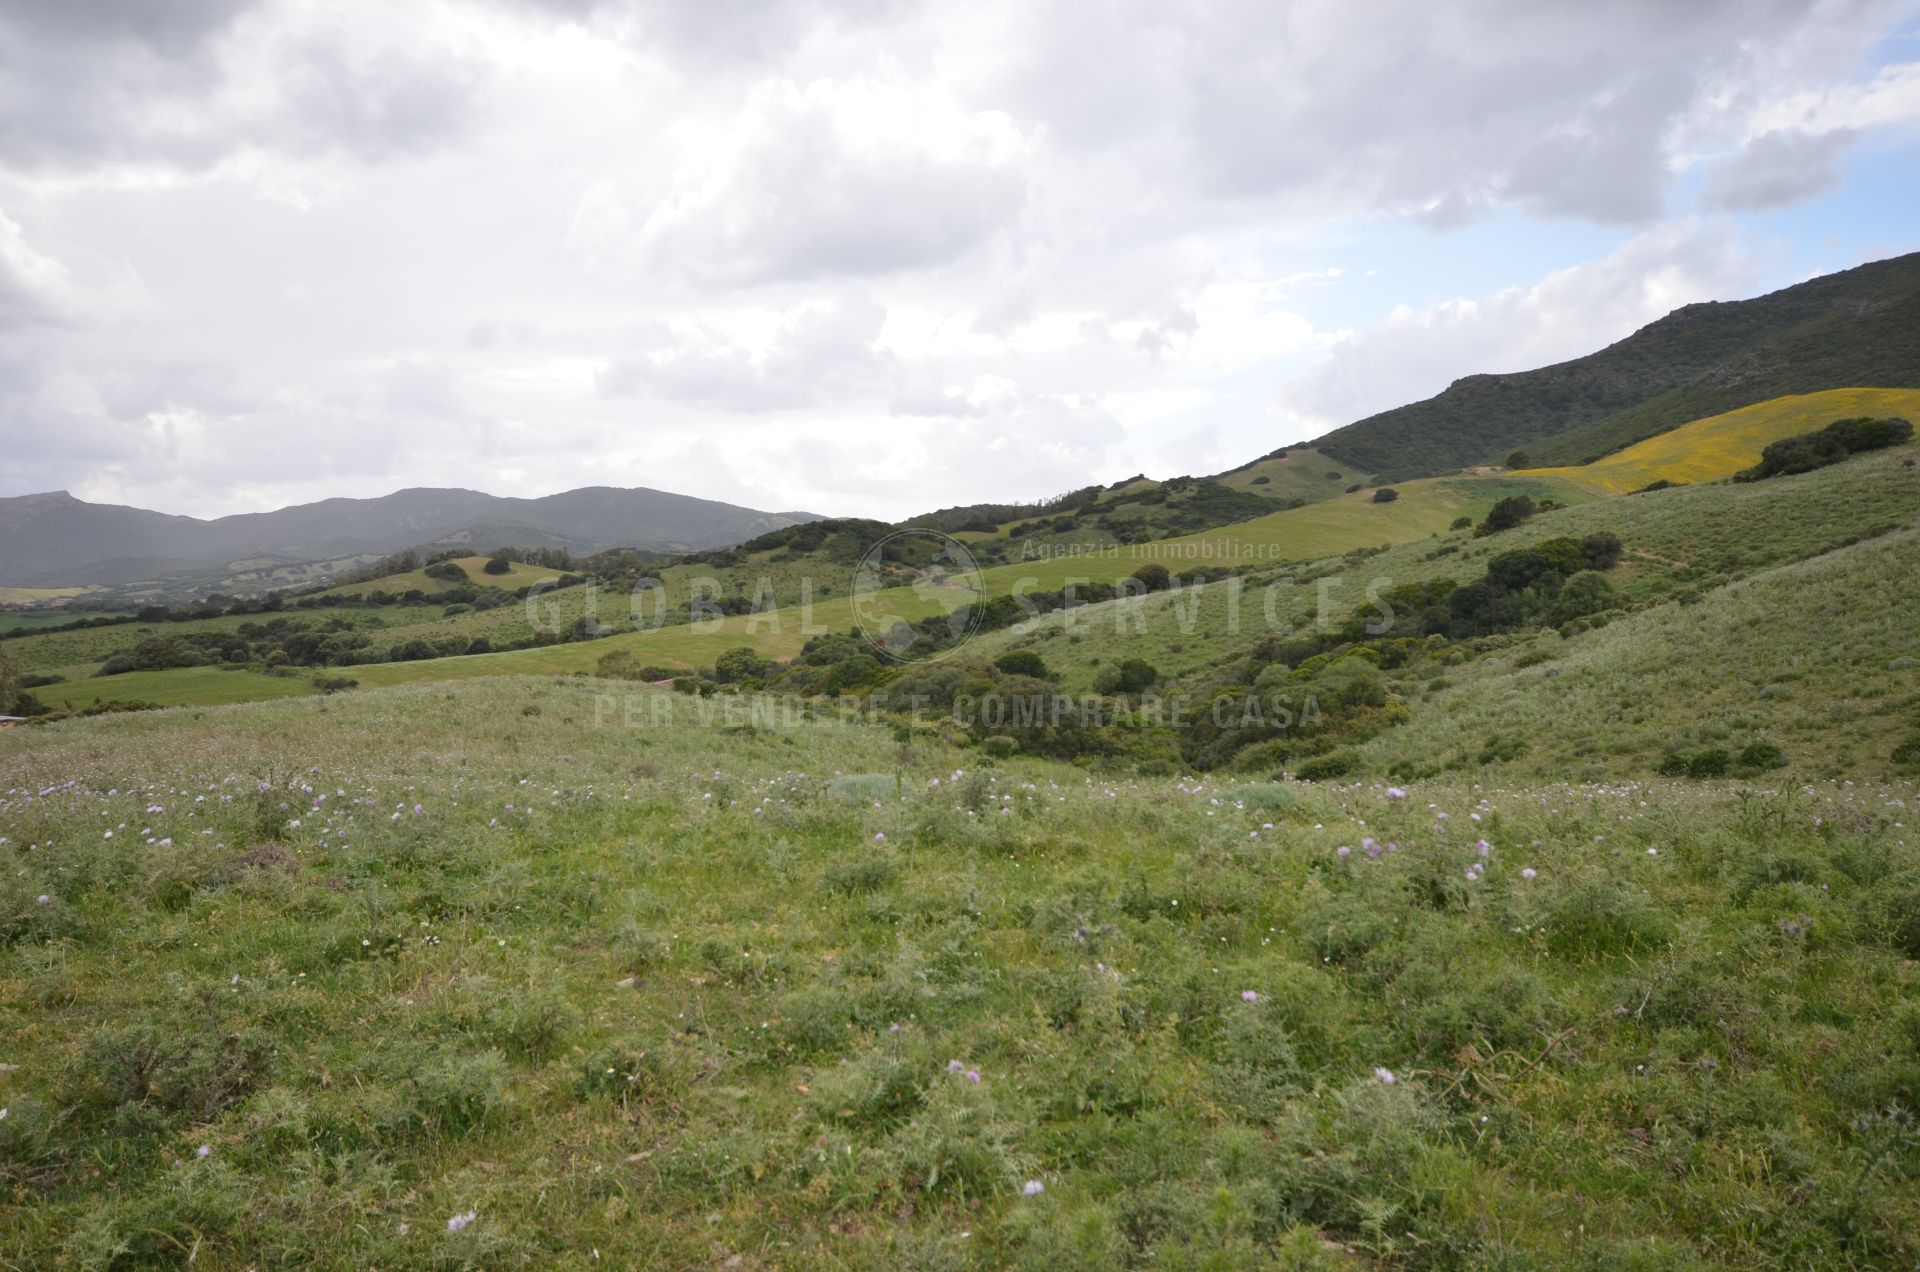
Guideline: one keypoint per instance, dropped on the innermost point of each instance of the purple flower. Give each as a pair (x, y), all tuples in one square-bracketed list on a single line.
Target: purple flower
[(1032, 1188), (1249, 996), (1343, 851), (1483, 848), (459, 1222), (1394, 792), (973, 1076), (954, 1066), (880, 837), (1528, 873), (203, 1152)]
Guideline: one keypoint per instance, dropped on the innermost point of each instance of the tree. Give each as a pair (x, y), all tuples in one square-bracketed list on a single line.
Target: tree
[(1519, 459), (1505, 515), (1386, 494), (1587, 592), (497, 564), (736, 665)]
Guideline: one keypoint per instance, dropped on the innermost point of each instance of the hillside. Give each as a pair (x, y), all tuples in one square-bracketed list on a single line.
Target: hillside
[(1860, 326), (1717, 447), (56, 540)]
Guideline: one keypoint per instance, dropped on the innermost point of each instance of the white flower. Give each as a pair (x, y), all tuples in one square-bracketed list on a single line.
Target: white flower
[(203, 1152), (459, 1222), (1033, 1188), (1386, 1076)]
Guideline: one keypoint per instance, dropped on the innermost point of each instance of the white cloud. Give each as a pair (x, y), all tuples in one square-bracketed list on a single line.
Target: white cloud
[(861, 257), (1416, 353)]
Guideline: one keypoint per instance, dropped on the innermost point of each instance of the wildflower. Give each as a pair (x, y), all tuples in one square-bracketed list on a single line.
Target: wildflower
[(954, 1066), (203, 1152), (1249, 996), (1343, 851), (1528, 873), (1386, 1076), (1394, 792), (1483, 848), (459, 1222), (43, 899), (1032, 1188), (880, 837), (973, 1076)]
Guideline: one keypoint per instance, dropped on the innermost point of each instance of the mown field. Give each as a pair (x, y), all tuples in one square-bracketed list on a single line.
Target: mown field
[(455, 976)]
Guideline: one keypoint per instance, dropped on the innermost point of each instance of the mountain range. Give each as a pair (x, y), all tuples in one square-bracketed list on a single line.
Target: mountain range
[(55, 539), (1859, 327)]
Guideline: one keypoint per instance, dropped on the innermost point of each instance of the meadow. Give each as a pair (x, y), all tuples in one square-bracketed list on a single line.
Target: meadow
[(473, 976), (1715, 448)]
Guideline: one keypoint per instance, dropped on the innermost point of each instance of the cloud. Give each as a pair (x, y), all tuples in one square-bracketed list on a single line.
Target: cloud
[(1416, 353), (182, 86), (855, 181), (1777, 169), (861, 255)]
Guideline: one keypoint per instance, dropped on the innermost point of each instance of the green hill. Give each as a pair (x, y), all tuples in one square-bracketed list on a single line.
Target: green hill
[(1857, 327)]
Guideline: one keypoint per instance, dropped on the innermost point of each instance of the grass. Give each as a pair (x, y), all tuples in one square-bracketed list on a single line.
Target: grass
[(35, 595), (1299, 474), (1719, 446), (657, 996), (79, 653), (1685, 540), (1837, 696), (521, 575), (177, 687)]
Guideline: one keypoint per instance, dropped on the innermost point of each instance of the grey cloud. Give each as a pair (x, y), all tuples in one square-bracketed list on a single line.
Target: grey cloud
[(1439, 111), (129, 81), (1777, 169)]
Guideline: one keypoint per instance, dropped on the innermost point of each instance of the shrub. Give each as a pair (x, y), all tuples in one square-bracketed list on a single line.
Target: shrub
[(1386, 494), (1519, 459), (999, 745), (447, 570), (1460, 523), (194, 1068), (859, 875), (1025, 662), (1323, 768), (1153, 577), (1505, 515), (1599, 920), (1131, 675), (497, 564)]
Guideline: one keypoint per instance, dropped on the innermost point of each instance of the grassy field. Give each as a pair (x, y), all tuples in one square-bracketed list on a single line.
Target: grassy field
[(37, 595), (471, 976), (1719, 446), (79, 653), (34, 620), (176, 687), (521, 575), (1299, 474)]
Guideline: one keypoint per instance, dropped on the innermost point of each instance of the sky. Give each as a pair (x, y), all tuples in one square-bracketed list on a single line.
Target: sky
[(875, 257)]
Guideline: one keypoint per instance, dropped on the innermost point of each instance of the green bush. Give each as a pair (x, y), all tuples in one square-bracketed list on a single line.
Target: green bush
[(1323, 768), (1023, 662)]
